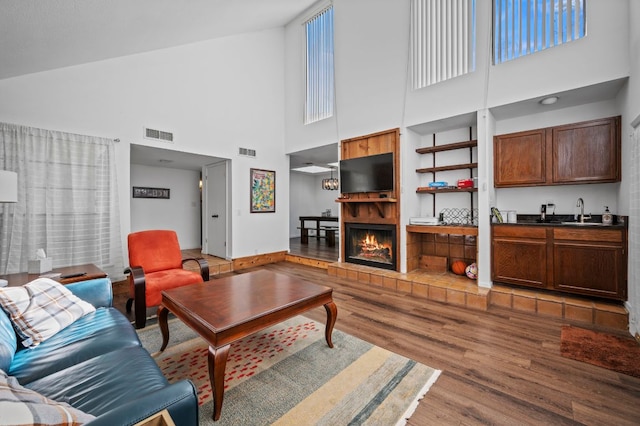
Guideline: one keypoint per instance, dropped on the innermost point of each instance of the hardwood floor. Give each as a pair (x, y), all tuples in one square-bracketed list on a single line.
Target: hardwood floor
[(316, 249), (498, 367)]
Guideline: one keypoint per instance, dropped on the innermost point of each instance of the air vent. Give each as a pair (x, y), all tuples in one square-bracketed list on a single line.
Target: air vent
[(158, 135), (246, 152)]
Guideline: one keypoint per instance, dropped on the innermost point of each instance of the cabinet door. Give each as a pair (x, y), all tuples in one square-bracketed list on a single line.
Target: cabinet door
[(590, 261), (589, 268), (519, 255), (519, 159), (586, 152)]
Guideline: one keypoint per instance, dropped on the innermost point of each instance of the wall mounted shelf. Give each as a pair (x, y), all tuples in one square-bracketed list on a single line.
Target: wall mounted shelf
[(471, 165), (427, 190), (447, 168), (447, 147), (443, 229)]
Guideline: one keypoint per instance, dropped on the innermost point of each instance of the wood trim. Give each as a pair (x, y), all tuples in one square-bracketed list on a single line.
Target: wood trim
[(370, 207), (258, 260)]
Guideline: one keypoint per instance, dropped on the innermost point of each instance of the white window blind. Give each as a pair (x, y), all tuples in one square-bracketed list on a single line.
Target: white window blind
[(442, 40), (319, 67), (522, 27)]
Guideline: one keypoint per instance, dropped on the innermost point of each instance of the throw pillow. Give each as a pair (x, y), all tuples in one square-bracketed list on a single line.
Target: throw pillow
[(22, 406), (41, 308)]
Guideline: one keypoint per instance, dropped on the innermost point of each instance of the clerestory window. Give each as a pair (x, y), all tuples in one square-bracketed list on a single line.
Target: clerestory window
[(443, 40), (319, 67), (522, 27)]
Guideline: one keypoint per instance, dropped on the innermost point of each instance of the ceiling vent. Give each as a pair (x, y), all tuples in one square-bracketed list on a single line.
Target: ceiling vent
[(246, 152), (158, 135)]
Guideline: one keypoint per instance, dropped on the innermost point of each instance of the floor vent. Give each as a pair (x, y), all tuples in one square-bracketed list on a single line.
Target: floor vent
[(246, 152), (158, 135)]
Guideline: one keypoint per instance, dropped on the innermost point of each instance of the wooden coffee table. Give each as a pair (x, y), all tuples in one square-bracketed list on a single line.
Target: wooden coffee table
[(228, 309)]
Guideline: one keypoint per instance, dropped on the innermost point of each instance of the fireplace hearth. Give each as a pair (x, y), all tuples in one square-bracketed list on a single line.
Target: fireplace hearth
[(371, 245)]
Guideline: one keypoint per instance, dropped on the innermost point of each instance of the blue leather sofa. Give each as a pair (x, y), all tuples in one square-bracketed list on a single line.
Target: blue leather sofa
[(97, 365)]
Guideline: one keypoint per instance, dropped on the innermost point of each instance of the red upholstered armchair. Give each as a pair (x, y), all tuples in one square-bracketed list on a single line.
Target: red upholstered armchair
[(156, 264)]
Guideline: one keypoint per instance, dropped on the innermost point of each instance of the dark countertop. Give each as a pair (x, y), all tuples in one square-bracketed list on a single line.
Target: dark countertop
[(557, 219)]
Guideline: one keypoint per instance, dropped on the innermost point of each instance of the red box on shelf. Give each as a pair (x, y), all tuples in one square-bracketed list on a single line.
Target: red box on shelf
[(465, 183)]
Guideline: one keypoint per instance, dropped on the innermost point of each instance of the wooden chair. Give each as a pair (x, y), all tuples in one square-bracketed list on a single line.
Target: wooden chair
[(156, 264)]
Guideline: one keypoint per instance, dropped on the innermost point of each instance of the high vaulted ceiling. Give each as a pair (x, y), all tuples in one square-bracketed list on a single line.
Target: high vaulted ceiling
[(41, 35)]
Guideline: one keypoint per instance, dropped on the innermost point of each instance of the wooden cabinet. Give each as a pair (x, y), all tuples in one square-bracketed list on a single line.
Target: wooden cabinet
[(585, 152), (519, 255), (519, 159), (590, 261)]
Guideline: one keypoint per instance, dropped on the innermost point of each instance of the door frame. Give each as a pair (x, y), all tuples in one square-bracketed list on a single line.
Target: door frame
[(225, 207)]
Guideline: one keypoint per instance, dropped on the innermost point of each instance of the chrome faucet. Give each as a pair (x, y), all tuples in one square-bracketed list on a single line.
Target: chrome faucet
[(582, 217)]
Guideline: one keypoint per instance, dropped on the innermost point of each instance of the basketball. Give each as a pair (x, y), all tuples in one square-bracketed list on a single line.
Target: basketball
[(472, 271), (458, 267)]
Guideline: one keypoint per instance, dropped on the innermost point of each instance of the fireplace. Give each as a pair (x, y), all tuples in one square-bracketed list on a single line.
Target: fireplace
[(371, 245)]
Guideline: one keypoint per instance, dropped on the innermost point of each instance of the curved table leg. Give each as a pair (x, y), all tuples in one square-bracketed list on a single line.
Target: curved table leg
[(163, 314), (217, 363), (332, 314)]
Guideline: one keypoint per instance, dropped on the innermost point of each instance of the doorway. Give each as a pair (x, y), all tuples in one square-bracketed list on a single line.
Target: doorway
[(215, 210)]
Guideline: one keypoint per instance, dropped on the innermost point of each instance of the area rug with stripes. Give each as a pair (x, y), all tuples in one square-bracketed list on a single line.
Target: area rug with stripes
[(287, 375)]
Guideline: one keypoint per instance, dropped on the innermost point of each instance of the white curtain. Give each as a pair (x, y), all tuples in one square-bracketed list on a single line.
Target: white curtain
[(67, 200), (634, 232)]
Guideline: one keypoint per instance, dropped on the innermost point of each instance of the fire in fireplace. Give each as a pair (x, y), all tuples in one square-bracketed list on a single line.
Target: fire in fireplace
[(370, 244)]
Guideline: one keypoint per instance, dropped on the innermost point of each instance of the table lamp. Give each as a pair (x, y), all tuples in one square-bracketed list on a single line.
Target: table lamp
[(8, 194)]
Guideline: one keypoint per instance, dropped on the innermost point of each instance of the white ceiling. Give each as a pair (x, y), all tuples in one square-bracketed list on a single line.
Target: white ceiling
[(40, 35)]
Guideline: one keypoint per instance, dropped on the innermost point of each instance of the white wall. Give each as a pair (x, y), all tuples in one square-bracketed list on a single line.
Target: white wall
[(630, 99), (181, 212), (371, 63), (308, 199), (215, 96)]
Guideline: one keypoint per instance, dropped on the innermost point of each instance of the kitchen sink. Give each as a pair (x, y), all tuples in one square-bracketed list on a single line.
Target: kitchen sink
[(583, 223)]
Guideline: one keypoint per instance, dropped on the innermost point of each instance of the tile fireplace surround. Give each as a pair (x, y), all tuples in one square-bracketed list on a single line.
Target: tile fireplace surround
[(461, 291)]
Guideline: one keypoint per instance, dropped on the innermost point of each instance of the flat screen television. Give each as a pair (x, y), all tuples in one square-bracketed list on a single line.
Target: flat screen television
[(373, 173)]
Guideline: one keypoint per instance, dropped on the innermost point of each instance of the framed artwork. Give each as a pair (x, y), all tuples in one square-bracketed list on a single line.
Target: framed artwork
[(263, 191), (143, 192)]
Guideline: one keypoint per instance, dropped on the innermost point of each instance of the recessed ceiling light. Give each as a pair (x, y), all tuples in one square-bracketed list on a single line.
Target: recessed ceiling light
[(550, 100), (312, 169)]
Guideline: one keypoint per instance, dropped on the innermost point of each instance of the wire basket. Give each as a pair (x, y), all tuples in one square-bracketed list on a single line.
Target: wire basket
[(456, 216)]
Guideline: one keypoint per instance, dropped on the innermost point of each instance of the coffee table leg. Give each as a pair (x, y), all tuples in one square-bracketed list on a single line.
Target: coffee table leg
[(163, 314), (217, 364), (332, 314)]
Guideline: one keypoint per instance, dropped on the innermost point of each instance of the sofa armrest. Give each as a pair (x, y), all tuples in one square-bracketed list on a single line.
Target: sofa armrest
[(180, 399), (98, 291)]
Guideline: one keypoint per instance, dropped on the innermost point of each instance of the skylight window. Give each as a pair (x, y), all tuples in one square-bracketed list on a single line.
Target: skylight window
[(312, 169)]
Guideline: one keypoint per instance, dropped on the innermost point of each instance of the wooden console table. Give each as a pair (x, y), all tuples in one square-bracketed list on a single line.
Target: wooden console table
[(89, 271)]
